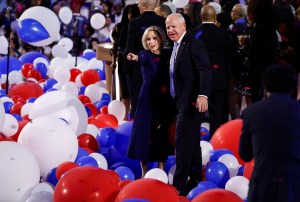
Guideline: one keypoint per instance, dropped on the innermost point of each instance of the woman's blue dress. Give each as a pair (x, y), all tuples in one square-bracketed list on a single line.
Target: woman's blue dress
[(155, 110)]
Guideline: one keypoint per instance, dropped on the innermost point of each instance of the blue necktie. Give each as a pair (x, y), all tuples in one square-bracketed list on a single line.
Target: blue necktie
[(172, 63)]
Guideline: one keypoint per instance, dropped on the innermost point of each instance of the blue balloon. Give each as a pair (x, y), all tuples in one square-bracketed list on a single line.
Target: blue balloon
[(201, 187), (89, 55), (125, 173), (87, 161), (42, 68), (216, 154), (29, 57), (152, 165), (88, 111), (204, 134), (171, 161), (3, 93), (101, 103), (30, 100), (116, 165), (18, 117), (81, 90), (106, 96), (81, 153), (106, 137), (14, 64), (51, 176), (217, 173), (7, 105), (31, 30), (101, 74), (49, 83), (241, 171)]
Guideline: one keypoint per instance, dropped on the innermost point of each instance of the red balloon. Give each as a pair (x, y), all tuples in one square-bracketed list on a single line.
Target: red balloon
[(183, 199), (84, 99), (88, 150), (217, 195), (148, 189), (16, 108), (248, 169), (104, 110), (4, 138), (228, 137), (93, 108), (64, 167), (86, 140), (87, 183), (26, 68), (74, 73), (26, 90), (18, 99), (105, 120), (123, 183), (21, 125), (89, 76), (33, 73)]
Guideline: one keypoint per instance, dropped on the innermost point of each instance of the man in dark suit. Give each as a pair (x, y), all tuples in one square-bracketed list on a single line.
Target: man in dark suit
[(218, 45), (190, 81), (271, 135), (134, 45)]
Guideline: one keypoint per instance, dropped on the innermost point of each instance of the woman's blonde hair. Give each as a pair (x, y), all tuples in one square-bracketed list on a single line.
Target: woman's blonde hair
[(158, 31)]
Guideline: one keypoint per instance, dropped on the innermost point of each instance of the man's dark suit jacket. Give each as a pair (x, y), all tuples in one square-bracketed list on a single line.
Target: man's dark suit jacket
[(192, 73), (218, 46), (271, 135)]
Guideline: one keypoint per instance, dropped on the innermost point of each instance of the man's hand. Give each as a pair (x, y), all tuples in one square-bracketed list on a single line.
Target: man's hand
[(132, 56), (202, 104)]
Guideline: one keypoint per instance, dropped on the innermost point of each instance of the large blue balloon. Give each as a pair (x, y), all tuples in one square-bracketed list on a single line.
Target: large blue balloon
[(125, 173), (106, 137), (29, 57), (87, 161), (218, 173), (216, 154), (31, 30), (81, 153), (201, 187), (14, 64)]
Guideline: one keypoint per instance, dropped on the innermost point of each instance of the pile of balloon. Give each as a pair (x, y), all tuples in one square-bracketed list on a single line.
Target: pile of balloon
[(64, 140)]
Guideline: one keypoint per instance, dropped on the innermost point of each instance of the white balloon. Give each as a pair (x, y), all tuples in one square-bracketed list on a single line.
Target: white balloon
[(95, 64), (47, 18), (92, 130), (117, 108), (97, 21), (238, 185), (101, 160), (78, 81), (19, 171), (10, 126), (71, 88), (2, 113), (62, 75), (6, 99), (180, 3), (4, 45), (67, 43), (205, 125), (62, 105), (51, 140), (231, 163), (158, 174), (94, 92), (206, 150), (65, 15), (15, 77), (171, 174), (59, 51), (40, 60), (26, 109)]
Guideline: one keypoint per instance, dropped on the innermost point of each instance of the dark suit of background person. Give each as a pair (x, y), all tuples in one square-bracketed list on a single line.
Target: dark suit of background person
[(218, 46), (191, 78), (136, 29), (271, 135)]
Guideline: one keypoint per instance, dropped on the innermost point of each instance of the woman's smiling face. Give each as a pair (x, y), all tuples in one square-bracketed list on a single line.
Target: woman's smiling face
[(153, 41)]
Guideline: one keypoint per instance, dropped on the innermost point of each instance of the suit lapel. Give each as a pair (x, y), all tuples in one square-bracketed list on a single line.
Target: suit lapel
[(179, 52)]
